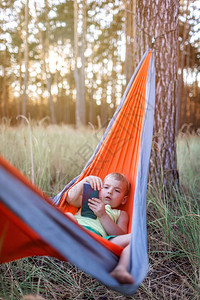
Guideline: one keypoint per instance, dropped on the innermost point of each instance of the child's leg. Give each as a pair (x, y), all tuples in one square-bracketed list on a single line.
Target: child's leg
[(71, 216), (121, 240), (120, 272)]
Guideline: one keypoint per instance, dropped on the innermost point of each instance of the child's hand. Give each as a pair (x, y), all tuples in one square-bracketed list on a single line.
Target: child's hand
[(97, 206), (95, 182)]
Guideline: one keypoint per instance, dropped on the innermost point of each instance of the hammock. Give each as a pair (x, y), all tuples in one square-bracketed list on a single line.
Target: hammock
[(30, 224)]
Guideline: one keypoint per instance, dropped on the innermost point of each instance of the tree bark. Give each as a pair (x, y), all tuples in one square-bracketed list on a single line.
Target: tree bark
[(159, 20)]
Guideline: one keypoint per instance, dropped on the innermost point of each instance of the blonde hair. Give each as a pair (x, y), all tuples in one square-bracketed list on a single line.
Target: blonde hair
[(120, 177)]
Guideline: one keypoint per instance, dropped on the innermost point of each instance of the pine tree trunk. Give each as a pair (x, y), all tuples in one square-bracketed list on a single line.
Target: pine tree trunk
[(51, 107), (130, 11), (182, 53), (186, 96), (4, 92), (19, 107), (43, 64), (26, 59), (159, 19), (4, 88), (82, 71), (76, 73), (91, 107), (79, 75), (46, 65), (196, 98)]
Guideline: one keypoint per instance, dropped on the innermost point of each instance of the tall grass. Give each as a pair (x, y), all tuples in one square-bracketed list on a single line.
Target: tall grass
[(59, 154), (174, 224), (188, 152)]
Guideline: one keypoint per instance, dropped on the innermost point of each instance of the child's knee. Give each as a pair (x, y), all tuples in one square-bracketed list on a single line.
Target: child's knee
[(71, 216)]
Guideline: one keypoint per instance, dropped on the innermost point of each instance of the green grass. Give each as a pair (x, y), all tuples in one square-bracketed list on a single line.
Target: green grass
[(58, 155), (49, 156), (188, 150)]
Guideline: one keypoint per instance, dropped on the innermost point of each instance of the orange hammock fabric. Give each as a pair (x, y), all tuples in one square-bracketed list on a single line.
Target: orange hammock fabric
[(31, 224), (17, 239), (120, 151)]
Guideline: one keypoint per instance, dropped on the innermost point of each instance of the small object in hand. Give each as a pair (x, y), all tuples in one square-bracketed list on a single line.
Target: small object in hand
[(88, 193)]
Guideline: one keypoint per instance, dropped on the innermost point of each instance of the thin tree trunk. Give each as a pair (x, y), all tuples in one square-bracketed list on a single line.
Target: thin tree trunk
[(59, 101), (53, 118), (5, 114), (26, 59), (80, 75), (104, 108), (180, 77), (4, 92), (42, 59), (91, 107), (130, 11), (82, 71), (46, 66), (76, 74), (192, 103), (196, 97), (192, 120), (19, 107), (186, 96), (159, 19)]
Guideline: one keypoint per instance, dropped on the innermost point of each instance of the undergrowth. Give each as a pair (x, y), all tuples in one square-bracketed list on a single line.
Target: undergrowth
[(59, 154)]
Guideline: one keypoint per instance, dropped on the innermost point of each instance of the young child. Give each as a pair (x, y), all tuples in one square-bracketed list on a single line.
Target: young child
[(111, 223)]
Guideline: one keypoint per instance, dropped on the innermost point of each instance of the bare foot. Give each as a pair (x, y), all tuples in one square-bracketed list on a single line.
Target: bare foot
[(122, 275)]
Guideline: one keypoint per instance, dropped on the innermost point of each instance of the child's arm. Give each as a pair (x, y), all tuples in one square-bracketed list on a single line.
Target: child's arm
[(74, 196), (98, 207)]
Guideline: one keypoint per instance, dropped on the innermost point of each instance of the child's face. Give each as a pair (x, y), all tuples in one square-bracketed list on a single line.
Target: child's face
[(113, 192)]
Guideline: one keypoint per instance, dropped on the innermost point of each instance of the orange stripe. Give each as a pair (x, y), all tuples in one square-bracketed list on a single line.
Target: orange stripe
[(120, 150), (19, 240)]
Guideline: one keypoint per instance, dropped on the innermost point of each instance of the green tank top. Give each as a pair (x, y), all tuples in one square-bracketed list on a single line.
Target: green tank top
[(95, 223)]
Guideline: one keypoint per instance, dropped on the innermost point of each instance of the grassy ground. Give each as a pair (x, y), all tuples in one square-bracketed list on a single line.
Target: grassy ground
[(51, 156)]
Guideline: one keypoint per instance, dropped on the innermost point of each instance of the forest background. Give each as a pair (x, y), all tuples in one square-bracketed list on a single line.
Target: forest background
[(70, 61)]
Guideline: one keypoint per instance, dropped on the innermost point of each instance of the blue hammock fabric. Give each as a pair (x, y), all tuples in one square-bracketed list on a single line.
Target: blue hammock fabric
[(42, 229)]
